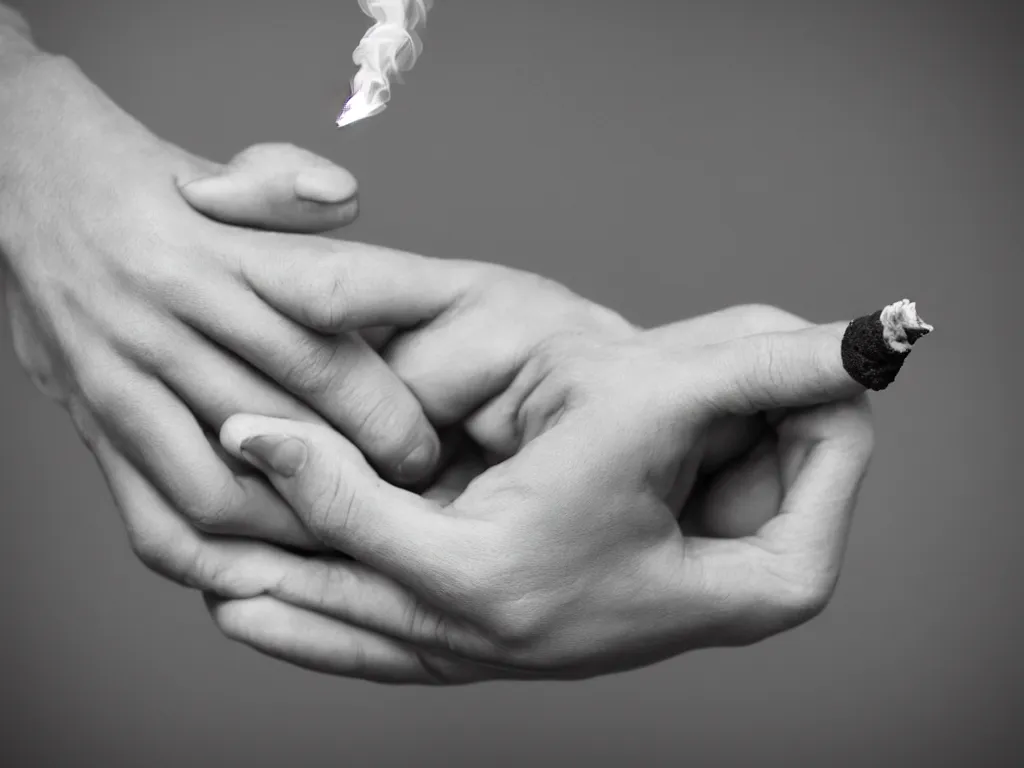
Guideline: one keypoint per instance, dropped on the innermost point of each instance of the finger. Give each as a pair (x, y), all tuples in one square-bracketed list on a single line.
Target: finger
[(741, 497), (724, 325), (333, 286), (343, 502), (170, 447), (729, 437), (212, 382), (170, 546), (237, 568), (786, 572), (322, 644), (364, 597), (340, 377), (455, 367), (378, 337), (456, 477), (810, 366), (278, 187), (824, 456), (768, 371)]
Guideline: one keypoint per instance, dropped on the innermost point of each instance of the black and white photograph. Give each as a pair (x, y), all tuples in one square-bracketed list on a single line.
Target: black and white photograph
[(512, 383)]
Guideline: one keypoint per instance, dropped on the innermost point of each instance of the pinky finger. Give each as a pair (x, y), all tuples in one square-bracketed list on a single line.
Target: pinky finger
[(172, 548), (313, 641)]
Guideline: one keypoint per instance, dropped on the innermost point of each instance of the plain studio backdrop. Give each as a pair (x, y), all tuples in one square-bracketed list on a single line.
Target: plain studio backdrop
[(664, 158)]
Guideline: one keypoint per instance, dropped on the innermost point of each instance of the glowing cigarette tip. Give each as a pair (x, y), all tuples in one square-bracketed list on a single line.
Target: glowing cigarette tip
[(391, 46)]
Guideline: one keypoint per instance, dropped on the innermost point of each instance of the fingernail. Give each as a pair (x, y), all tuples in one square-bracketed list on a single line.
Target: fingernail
[(419, 463), (212, 187), (329, 186), (280, 454)]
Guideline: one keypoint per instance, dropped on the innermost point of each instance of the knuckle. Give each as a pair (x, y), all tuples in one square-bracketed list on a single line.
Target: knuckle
[(157, 554), (337, 300), (102, 390), (798, 600), (560, 358), (511, 615), (516, 626), (321, 582), (315, 370), (197, 566), (387, 424), (329, 282), (214, 511), (149, 552), (157, 270), (429, 626)]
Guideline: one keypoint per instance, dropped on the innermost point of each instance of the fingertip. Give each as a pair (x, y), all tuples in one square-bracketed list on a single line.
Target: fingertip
[(240, 427), (236, 617), (277, 187), (232, 433), (204, 188), (422, 460), (329, 185)]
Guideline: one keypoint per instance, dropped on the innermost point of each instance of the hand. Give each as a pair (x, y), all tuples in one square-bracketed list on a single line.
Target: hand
[(566, 560), (457, 332), (468, 350), (136, 313), (465, 350)]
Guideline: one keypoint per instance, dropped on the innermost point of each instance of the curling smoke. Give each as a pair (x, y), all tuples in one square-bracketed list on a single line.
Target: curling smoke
[(390, 47)]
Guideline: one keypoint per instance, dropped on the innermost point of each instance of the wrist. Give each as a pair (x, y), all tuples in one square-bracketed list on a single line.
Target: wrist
[(59, 137)]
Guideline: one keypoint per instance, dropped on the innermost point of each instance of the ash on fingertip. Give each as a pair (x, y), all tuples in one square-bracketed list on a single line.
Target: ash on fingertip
[(875, 346)]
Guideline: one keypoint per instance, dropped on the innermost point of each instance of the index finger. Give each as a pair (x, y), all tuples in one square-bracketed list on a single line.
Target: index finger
[(331, 286), (810, 366)]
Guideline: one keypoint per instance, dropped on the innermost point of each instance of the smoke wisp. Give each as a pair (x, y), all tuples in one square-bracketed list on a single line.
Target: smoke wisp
[(391, 46)]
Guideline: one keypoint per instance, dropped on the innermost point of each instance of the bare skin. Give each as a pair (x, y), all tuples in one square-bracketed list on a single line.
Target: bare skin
[(136, 306)]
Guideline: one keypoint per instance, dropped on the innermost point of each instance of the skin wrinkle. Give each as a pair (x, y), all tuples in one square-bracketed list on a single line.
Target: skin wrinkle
[(371, 421), (336, 301), (324, 519)]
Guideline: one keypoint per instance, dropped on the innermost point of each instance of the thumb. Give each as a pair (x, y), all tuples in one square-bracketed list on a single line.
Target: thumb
[(807, 367), (278, 187), (342, 501)]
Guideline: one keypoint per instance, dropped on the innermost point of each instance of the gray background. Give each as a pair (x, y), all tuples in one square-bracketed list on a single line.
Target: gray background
[(665, 158)]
